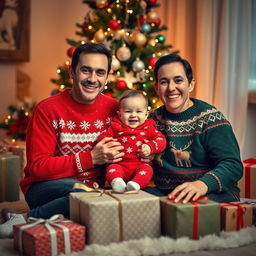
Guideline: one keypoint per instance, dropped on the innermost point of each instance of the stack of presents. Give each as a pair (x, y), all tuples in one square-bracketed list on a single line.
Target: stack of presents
[(103, 216)]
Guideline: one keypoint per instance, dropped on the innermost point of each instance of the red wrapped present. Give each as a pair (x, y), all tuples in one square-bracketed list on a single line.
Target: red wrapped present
[(247, 184), (235, 215), (49, 237)]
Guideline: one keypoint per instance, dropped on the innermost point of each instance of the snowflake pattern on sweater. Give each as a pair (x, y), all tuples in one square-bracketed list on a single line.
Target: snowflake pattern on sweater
[(61, 135)]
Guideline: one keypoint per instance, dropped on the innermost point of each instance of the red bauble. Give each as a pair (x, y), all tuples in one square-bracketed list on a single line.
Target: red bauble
[(85, 26), (121, 85), (157, 22), (109, 94), (70, 51), (113, 24), (151, 2), (152, 61)]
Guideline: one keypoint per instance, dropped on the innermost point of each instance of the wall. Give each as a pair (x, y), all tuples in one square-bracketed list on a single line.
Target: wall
[(51, 23)]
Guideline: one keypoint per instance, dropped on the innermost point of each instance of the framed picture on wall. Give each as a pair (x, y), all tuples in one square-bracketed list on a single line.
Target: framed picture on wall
[(14, 30)]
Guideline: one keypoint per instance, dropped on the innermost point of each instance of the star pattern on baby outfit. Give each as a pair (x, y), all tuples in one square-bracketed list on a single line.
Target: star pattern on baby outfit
[(112, 170), (142, 172), (129, 150)]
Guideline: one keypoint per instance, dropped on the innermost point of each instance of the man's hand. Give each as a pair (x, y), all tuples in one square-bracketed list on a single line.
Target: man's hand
[(144, 151), (189, 191), (107, 151)]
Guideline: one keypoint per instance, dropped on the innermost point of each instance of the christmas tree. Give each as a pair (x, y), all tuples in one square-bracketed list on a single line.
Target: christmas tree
[(131, 29)]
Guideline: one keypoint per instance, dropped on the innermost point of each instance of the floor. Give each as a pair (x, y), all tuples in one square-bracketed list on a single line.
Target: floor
[(6, 245)]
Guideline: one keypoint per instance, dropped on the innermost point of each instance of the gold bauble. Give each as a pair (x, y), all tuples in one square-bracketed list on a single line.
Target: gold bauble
[(152, 42), (101, 3), (123, 53), (152, 16), (139, 39), (99, 36)]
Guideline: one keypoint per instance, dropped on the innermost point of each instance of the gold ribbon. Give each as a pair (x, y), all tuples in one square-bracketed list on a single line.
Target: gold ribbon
[(53, 221), (111, 194)]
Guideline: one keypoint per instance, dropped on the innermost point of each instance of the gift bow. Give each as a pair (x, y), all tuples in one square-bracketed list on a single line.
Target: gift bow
[(53, 221), (239, 213), (196, 212)]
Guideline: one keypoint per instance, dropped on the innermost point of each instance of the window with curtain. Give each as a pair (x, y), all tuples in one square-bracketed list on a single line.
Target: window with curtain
[(252, 74)]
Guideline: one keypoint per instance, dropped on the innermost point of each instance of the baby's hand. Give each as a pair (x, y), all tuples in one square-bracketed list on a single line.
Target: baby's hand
[(145, 150)]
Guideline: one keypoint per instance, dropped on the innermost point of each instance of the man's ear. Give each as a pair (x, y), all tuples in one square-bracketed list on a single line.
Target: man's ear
[(192, 85), (156, 88)]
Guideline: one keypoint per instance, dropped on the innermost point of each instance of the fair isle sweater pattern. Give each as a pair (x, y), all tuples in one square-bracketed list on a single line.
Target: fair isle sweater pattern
[(200, 145)]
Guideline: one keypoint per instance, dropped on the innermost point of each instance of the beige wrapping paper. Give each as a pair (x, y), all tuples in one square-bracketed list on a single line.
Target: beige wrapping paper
[(140, 216)]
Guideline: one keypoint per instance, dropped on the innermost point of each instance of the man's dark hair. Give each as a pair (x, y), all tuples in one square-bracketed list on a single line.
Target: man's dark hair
[(90, 48), (170, 58), (132, 93)]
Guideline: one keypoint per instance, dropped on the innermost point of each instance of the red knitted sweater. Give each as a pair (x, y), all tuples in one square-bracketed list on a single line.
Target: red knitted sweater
[(61, 134)]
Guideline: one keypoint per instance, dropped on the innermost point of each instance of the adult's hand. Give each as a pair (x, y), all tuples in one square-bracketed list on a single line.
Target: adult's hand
[(107, 151), (189, 191)]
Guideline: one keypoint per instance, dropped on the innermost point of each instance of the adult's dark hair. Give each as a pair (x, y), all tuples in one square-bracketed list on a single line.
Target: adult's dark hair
[(170, 58), (90, 48), (132, 93)]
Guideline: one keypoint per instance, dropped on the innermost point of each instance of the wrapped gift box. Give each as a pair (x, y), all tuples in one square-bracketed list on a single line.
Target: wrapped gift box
[(235, 216), (9, 177), (193, 220), (35, 239), (247, 184), (116, 217), (19, 148), (252, 202)]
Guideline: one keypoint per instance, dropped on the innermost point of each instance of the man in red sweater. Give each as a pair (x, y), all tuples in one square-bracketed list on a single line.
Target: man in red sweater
[(62, 147)]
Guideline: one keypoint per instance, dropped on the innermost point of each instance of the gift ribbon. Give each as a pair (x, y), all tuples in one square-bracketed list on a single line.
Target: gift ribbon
[(3, 185), (249, 162), (195, 215), (239, 213), (53, 221), (111, 194)]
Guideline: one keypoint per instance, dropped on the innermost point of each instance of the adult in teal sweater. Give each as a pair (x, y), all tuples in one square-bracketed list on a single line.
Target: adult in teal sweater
[(202, 156)]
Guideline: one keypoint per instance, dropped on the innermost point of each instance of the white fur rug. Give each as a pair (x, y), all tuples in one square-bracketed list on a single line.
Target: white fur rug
[(166, 245)]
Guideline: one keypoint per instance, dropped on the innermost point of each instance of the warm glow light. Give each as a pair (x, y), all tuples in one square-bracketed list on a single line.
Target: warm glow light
[(82, 42), (109, 10), (150, 67), (62, 86), (149, 108), (58, 70), (9, 117), (154, 101), (13, 140), (26, 113), (105, 87), (147, 71), (67, 62), (144, 93), (151, 78), (90, 27)]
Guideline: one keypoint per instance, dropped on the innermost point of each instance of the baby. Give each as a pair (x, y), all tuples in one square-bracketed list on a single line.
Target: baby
[(140, 139)]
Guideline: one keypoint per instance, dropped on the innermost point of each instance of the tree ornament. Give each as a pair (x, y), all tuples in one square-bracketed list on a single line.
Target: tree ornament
[(161, 39), (143, 4), (152, 61), (138, 65), (151, 2), (99, 36), (113, 24), (123, 53), (70, 51), (121, 85), (157, 22), (139, 39), (101, 3), (85, 26), (145, 28), (152, 16), (115, 65), (152, 42)]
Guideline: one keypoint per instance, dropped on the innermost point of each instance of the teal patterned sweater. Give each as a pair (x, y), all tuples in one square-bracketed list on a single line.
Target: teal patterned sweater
[(200, 145)]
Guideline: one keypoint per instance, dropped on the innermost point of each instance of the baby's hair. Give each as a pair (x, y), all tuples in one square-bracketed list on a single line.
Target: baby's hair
[(132, 93)]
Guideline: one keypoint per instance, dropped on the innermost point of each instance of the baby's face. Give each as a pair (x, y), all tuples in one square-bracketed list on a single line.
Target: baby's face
[(133, 111)]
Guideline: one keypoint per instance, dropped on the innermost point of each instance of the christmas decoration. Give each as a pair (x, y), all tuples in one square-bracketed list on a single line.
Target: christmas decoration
[(123, 53), (70, 51), (16, 121), (121, 85), (132, 31), (138, 65)]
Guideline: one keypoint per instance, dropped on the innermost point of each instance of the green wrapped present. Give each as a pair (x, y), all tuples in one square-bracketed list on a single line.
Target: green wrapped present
[(193, 219), (9, 177)]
